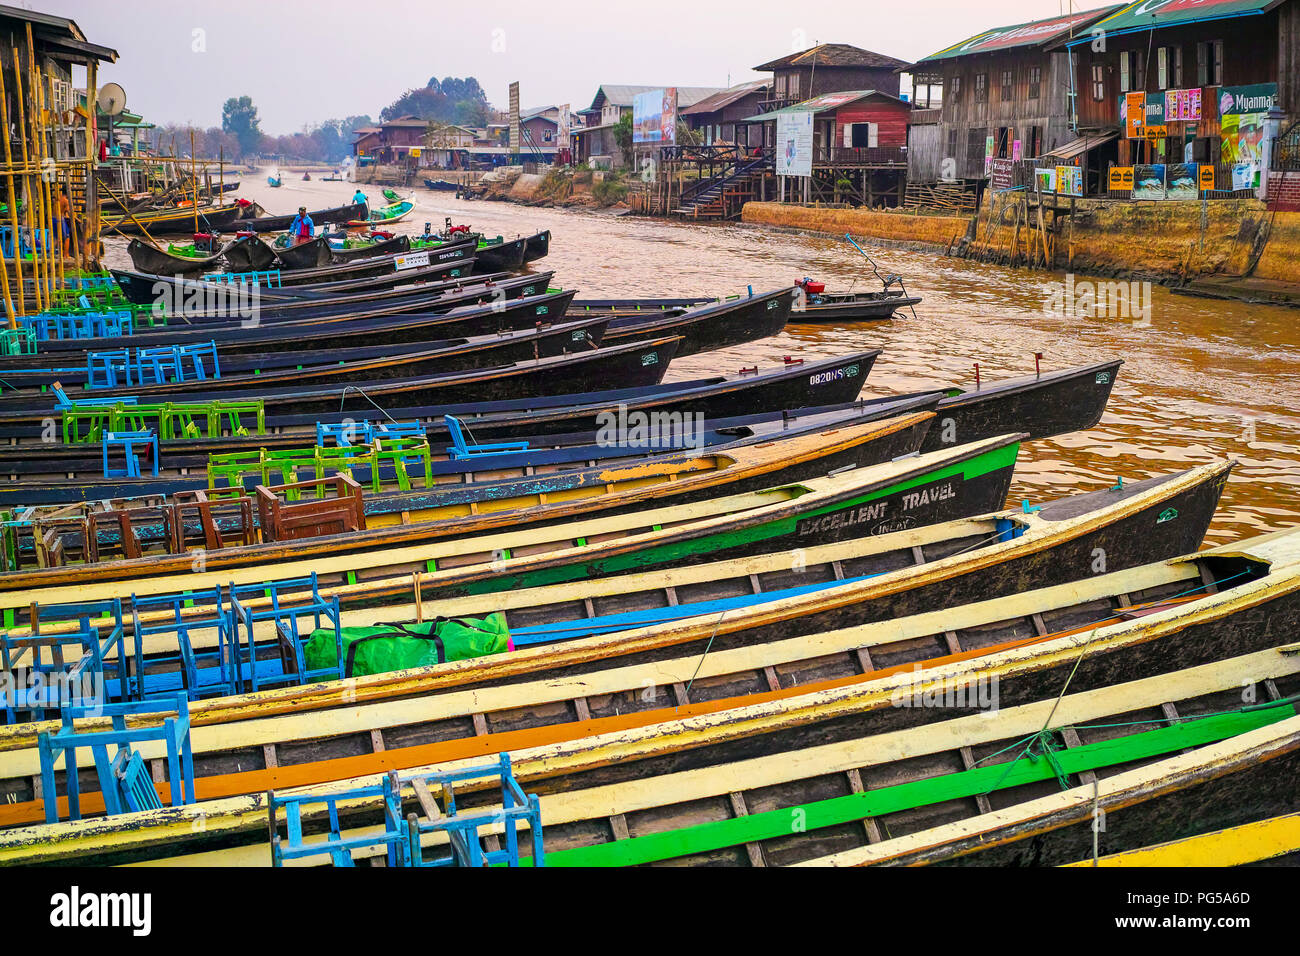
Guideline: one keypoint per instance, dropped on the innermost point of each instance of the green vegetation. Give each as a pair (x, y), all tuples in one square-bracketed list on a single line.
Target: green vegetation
[(610, 190), (239, 117)]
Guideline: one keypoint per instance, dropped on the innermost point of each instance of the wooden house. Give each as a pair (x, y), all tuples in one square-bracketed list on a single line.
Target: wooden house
[(1009, 84), (828, 68), (1221, 80), (716, 116), (597, 137)]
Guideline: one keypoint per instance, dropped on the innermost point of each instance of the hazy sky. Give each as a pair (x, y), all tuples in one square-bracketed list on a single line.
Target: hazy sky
[(304, 61)]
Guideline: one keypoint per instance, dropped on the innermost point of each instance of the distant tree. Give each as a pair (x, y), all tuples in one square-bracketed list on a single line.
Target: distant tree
[(239, 116), (623, 134), (449, 100)]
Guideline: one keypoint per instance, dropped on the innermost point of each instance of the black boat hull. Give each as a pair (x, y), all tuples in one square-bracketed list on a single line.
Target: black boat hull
[(160, 262), (384, 247), (249, 254), (537, 246), (507, 256), (312, 254), (712, 327), (334, 215)]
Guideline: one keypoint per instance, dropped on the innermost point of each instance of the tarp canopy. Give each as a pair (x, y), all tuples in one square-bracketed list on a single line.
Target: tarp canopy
[(819, 104), (1149, 14), (1077, 147)]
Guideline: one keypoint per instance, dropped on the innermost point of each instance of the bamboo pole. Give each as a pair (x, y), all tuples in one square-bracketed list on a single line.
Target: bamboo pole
[(73, 232), (27, 188), (20, 301), (49, 180), (91, 202), (38, 154), (194, 178)]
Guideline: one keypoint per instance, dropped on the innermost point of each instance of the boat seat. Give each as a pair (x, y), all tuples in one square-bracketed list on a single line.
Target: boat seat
[(128, 443), (460, 449)]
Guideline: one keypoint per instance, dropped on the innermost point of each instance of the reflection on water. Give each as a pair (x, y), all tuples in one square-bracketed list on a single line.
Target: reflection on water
[(1205, 380)]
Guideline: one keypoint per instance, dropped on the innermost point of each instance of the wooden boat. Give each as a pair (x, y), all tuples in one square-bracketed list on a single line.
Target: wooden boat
[(454, 314), (274, 182), (639, 363), (440, 185), (729, 525), (353, 349), (853, 306), (502, 255), (380, 247), (312, 254), (247, 254), (335, 214), (609, 629), (151, 259), (175, 220), (710, 327), (384, 216), (184, 462), (537, 246), (139, 289), (717, 780), (1273, 840)]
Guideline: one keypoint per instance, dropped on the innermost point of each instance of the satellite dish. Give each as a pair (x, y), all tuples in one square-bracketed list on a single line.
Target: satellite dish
[(111, 99)]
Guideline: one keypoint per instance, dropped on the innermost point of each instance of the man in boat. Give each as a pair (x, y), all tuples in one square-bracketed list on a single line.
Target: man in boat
[(302, 228), (360, 197)]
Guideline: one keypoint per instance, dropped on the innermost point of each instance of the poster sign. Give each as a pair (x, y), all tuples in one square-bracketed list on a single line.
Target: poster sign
[(1149, 182), (1207, 178), (654, 117), (988, 156), (1045, 180), (1069, 180), (1245, 176), (1183, 106), (1121, 179), (564, 127), (794, 143), (515, 136), (1258, 98), (1153, 133), (1003, 174), (1135, 113), (1016, 151), (414, 260), (1181, 180)]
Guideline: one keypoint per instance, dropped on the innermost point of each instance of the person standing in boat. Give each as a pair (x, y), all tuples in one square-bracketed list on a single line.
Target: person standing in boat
[(360, 197), (302, 228)]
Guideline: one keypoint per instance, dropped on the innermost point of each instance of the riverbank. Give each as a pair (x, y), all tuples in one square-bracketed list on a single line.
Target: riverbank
[(1233, 248)]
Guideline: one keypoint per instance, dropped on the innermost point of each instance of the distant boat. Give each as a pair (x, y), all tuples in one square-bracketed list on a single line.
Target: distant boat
[(385, 216), (306, 177), (274, 180), (441, 185)]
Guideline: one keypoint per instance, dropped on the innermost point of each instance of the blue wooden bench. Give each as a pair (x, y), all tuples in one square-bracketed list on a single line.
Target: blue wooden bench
[(461, 449)]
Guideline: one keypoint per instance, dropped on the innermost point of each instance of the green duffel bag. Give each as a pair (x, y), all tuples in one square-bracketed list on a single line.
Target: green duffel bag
[(393, 647)]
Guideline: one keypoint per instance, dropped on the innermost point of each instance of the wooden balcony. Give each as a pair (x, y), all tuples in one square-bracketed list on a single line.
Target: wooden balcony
[(864, 157)]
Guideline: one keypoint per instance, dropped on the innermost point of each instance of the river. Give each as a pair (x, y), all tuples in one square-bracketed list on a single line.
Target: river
[(1202, 380)]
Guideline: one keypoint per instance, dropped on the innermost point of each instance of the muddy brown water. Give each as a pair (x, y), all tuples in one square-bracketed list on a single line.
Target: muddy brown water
[(1203, 380)]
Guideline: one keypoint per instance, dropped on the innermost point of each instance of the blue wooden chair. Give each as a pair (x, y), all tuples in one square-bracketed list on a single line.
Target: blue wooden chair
[(129, 443), (122, 777), (109, 369), (288, 604), (90, 673), (206, 670), (460, 449), (337, 847)]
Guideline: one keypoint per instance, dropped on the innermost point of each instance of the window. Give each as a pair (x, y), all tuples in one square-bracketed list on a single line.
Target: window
[(1033, 143), (951, 152), (1098, 82), (956, 87), (975, 147), (861, 134), (1139, 70), (1176, 67), (1125, 71), (1035, 81), (794, 86), (1006, 86), (1209, 63), (1162, 68), (981, 87)]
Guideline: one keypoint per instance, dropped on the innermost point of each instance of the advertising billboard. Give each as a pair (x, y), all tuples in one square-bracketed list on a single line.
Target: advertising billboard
[(794, 143), (654, 117)]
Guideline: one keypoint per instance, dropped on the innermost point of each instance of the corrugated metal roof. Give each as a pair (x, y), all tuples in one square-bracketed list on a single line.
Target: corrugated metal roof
[(820, 104), (616, 95), (1148, 14), (1034, 33), (1077, 147), (719, 101)]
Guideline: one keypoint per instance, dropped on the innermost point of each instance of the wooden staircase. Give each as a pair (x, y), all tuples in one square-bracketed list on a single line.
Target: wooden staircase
[(723, 196)]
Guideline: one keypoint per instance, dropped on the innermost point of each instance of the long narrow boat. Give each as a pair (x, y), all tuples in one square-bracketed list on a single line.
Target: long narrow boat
[(710, 327), (362, 250), (640, 363), (176, 220), (384, 216), (472, 319), (611, 633), (976, 478), (827, 382), (151, 259), (1272, 840), (313, 254), (537, 246), (858, 761), (190, 473), (853, 306), (503, 255), (437, 354), (336, 214), (245, 254)]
